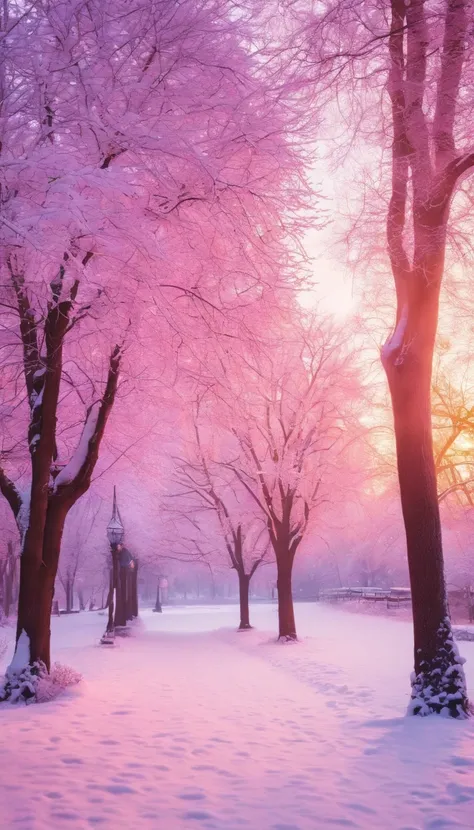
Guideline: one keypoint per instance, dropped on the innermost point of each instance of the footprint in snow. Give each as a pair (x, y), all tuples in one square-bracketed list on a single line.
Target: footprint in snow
[(460, 761), (193, 796)]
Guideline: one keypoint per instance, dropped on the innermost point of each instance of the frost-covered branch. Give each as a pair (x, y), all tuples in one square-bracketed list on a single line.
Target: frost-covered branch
[(75, 477)]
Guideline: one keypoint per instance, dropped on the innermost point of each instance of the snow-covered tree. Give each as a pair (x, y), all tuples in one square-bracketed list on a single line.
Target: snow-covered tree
[(147, 183)]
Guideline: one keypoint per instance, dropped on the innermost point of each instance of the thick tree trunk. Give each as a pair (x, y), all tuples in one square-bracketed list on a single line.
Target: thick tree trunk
[(37, 587), (244, 583), (286, 614), (53, 533), (31, 580), (438, 682)]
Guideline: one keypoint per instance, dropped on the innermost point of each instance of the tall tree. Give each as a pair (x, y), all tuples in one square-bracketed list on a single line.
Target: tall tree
[(421, 49)]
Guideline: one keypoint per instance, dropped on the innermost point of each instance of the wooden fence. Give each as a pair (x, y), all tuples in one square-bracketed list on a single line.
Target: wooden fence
[(393, 597)]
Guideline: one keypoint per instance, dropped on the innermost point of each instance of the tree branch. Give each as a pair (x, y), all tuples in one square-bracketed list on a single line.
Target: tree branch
[(10, 492), (452, 60), (74, 479)]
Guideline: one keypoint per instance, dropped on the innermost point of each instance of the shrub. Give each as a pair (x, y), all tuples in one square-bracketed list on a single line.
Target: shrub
[(35, 685)]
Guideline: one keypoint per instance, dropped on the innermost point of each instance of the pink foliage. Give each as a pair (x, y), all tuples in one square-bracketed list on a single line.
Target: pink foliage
[(50, 686)]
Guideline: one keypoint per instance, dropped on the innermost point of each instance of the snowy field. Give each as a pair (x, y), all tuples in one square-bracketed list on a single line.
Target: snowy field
[(193, 725)]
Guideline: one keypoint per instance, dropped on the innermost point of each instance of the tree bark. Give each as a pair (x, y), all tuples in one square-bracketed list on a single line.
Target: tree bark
[(286, 614), (110, 598), (158, 607), (135, 591), (36, 621), (28, 605), (121, 598), (9, 580), (244, 584)]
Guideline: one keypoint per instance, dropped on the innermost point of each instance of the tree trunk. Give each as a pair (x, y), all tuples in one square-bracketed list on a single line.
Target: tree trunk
[(6, 594), (36, 590), (121, 598), (53, 534), (130, 587), (69, 596), (9, 581), (80, 596), (110, 598), (135, 591), (244, 583), (438, 682), (158, 607), (286, 614), (27, 619)]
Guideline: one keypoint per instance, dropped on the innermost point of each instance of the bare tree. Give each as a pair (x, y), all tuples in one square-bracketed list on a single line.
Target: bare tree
[(79, 526), (207, 488), (287, 418)]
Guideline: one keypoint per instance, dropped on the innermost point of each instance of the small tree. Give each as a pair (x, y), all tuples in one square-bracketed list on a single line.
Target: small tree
[(288, 423), (206, 487), (77, 536)]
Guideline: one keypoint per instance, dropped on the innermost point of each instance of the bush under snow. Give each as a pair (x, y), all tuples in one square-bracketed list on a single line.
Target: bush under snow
[(35, 685), (53, 684)]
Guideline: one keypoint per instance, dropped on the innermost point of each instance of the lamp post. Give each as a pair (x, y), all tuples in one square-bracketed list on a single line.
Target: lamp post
[(161, 590), (158, 609), (115, 534)]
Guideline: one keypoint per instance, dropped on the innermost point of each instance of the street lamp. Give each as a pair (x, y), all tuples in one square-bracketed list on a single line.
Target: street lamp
[(115, 534), (162, 586), (115, 528)]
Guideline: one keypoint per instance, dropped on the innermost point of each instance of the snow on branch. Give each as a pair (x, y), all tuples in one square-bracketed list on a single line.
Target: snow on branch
[(74, 478), (71, 471), (395, 342), (10, 492)]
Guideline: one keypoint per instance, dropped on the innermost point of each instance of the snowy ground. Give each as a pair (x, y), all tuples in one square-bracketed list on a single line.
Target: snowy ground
[(192, 725)]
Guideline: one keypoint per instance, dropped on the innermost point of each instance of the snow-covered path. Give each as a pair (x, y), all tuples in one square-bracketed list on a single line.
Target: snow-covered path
[(190, 727)]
